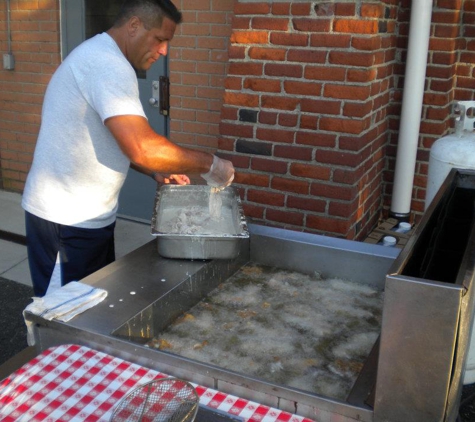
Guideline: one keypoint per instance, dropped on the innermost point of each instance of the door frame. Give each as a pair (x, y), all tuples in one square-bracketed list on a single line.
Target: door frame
[(72, 25)]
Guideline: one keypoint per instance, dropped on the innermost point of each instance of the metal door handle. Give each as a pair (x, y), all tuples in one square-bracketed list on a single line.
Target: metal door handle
[(155, 99), (161, 95), (164, 95)]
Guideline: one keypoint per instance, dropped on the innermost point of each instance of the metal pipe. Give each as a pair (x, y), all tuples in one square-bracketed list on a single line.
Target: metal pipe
[(9, 35), (418, 47)]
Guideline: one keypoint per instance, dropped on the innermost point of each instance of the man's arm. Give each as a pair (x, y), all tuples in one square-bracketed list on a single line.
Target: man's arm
[(148, 150)]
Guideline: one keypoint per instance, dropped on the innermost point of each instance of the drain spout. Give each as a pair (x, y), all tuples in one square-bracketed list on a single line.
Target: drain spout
[(416, 64)]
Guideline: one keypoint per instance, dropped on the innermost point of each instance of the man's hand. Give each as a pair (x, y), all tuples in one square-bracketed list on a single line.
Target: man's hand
[(171, 179)]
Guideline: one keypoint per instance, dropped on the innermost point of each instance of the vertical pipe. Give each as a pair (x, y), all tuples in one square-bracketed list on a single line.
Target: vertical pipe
[(9, 35), (417, 50)]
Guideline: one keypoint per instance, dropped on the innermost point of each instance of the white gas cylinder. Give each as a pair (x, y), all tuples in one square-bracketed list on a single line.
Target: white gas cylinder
[(452, 151), (455, 151), (449, 152), (469, 375)]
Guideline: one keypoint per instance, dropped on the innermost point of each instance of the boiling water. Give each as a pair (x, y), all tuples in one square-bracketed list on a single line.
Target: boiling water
[(288, 328)]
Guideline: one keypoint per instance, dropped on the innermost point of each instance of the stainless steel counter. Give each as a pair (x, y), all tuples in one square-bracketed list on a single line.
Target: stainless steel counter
[(143, 285), (147, 292)]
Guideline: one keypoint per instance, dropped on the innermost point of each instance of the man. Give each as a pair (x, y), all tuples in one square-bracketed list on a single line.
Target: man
[(93, 128)]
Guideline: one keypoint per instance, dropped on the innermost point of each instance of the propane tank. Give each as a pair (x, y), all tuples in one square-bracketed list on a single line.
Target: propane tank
[(458, 151), (469, 374), (452, 151)]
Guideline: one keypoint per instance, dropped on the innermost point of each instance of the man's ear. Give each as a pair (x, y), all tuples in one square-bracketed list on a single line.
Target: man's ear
[(133, 25)]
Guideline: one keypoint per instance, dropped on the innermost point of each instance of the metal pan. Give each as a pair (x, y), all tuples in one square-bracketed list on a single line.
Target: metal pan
[(186, 229)]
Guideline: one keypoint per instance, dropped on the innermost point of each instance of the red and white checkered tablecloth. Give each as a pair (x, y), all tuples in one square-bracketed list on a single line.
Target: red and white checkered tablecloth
[(75, 383)]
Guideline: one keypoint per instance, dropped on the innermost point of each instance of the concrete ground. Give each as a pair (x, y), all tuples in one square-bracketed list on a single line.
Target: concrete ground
[(129, 235), (15, 282)]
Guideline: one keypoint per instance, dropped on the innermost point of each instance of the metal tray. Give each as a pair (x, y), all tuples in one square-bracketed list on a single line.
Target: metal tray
[(185, 229)]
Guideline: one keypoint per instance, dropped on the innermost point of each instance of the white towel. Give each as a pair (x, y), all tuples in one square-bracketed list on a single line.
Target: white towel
[(64, 303)]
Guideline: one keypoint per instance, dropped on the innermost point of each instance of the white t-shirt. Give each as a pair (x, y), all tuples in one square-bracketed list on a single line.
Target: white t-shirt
[(78, 168)]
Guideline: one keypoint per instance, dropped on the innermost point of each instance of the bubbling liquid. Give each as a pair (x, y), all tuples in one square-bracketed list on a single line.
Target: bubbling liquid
[(285, 327)]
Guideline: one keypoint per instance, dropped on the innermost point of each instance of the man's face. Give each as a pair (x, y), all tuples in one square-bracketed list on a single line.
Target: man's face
[(148, 45)]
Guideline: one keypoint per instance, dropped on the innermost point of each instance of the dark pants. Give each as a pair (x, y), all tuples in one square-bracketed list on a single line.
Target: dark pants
[(81, 251)]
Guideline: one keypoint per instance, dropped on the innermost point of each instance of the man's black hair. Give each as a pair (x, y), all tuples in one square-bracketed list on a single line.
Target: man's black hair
[(150, 12)]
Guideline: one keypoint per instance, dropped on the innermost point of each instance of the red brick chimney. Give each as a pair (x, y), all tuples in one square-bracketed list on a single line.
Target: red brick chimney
[(305, 112)]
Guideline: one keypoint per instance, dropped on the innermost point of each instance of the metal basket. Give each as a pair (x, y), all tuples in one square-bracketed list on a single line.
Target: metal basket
[(161, 400)]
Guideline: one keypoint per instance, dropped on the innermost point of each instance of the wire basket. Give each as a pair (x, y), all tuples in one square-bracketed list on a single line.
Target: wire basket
[(161, 400)]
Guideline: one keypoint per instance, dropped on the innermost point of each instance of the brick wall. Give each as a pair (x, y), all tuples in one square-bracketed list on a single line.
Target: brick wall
[(464, 19), (198, 65), (303, 96), (35, 44), (305, 112)]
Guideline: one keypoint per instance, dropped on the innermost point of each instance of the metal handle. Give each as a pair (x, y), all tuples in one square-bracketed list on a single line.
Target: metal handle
[(161, 95), (155, 100), (164, 95)]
